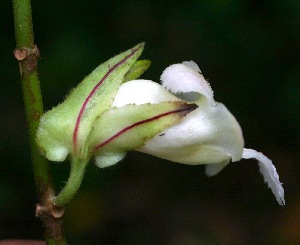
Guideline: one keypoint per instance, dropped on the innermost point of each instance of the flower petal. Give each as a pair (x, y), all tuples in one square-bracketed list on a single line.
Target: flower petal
[(269, 172), (209, 134), (108, 159), (214, 169), (192, 64), (141, 92), (186, 81)]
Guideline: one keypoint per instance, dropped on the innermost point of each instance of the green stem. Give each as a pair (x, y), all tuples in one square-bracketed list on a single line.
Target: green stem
[(23, 23), (78, 167), (27, 54)]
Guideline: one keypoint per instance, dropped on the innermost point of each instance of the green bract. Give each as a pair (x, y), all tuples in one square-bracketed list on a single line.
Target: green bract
[(137, 69), (130, 126), (85, 124), (65, 128)]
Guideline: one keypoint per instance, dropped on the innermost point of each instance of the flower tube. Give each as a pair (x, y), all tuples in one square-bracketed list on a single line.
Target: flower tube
[(208, 135)]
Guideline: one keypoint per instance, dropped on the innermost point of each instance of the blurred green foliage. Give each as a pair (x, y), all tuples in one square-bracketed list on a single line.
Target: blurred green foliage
[(249, 51)]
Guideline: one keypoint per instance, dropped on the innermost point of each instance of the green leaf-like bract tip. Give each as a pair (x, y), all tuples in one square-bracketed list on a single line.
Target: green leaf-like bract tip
[(137, 69), (64, 129)]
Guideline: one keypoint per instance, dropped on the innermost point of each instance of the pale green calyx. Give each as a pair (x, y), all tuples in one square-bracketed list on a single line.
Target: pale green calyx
[(64, 129), (87, 125)]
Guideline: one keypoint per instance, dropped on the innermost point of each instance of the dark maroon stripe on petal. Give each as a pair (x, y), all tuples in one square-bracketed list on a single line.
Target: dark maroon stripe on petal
[(88, 98), (183, 111)]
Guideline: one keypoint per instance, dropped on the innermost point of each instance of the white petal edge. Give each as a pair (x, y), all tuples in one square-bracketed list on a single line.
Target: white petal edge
[(214, 168), (104, 161), (186, 78), (192, 64), (57, 154), (269, 172), (141, 92)]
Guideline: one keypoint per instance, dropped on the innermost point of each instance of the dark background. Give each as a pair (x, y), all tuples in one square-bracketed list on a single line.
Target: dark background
[(249, 51)]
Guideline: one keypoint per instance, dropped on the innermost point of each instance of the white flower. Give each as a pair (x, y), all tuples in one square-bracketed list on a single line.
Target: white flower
[(208, 135), (105, 116)]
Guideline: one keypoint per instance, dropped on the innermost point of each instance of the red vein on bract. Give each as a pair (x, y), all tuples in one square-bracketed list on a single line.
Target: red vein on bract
[(81, 112), (124, 130)]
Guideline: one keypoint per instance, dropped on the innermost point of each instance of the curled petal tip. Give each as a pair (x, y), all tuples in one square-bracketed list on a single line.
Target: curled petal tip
[(192, 64), (185, 80), (269, 172)]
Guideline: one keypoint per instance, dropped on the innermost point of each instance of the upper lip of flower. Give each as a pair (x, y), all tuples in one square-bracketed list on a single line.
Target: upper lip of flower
[(186, 78)]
